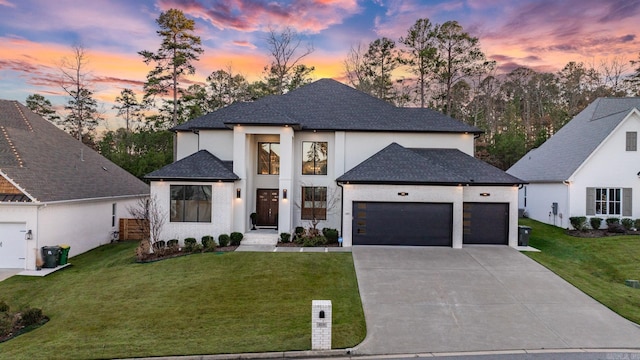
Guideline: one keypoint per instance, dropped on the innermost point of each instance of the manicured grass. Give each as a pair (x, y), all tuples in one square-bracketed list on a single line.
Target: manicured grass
[(597, 266), (108, 306)]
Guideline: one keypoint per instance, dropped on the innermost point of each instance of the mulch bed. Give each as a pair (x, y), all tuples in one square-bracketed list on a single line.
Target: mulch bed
[(19, 330), (168, 254), (292, 244)]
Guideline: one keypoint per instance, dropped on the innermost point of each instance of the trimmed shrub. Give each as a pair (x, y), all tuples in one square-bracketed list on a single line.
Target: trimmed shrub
[(314, 241), (613, 220), (285, 237), (207, 242), (331, 235), (578, 222), (627, 223), (173, 243), (197, 248), (159, 245), (236, 238), (31, 316), (595, 223), (223, 240), (189, 244), (4, 307), (616, 228)]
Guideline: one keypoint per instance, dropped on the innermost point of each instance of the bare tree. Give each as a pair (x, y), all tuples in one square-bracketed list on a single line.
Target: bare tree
[(286, 52), (356, 71), (151, 217), (76, 82), (613, 70)]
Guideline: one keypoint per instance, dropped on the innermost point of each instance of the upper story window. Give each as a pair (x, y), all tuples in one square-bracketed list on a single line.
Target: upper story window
[(314, 157), (268, 158), (190, 203), (632, 141)]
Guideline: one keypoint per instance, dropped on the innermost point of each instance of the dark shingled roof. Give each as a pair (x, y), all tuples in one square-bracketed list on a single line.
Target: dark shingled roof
[(399, 165), (49, 165), (331, 106), (198, 166)]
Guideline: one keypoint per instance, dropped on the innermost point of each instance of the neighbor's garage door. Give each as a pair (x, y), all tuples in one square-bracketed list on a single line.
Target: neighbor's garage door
[(394, 223), (486, 223), (12, 245)]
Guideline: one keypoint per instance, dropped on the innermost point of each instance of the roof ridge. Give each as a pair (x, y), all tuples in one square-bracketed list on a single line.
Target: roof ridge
[(15, 103), (12, 147)]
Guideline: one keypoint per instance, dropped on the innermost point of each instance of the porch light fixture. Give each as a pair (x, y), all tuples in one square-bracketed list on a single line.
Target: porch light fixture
[(403, 194), (28, 235), (485, 194), (284, 194), (238, 193)]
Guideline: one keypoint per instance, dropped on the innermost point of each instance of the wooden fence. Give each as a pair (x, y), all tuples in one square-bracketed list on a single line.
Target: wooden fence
[(133, 229)]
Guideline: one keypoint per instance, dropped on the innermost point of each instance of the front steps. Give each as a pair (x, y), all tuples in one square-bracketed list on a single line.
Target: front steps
[(267, 237)]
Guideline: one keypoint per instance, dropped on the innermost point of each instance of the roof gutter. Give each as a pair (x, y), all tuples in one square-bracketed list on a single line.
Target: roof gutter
[(119, 197)]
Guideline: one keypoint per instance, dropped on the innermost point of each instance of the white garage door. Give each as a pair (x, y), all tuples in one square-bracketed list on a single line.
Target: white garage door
[(12, 245)]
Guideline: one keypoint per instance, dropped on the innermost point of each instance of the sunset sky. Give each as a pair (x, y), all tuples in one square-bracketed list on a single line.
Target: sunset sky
[(541, 34)]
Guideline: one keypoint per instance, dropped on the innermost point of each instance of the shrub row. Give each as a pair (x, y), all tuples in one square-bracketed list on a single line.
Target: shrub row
[(10, 321), (614, 224), (311, 237)]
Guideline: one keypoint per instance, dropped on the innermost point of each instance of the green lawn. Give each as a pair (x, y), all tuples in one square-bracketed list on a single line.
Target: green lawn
[(107, 306), (597, 266)]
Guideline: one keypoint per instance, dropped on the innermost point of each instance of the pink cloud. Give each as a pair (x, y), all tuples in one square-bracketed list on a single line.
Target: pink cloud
[(244, 43), (251, 15), (7, 3)]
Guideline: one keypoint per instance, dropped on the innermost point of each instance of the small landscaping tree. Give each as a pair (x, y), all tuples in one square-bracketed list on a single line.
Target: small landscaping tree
[(151, 218)]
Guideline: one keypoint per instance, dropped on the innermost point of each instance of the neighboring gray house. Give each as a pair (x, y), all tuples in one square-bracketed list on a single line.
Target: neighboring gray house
[(329, 153), (55, 189), (590, 167)]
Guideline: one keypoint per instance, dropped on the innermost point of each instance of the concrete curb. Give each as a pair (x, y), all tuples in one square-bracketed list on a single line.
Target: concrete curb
[(348, 354)]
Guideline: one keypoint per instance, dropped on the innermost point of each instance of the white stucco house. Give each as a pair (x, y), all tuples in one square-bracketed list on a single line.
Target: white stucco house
[(54, 190), (590, 167), (378, 173)]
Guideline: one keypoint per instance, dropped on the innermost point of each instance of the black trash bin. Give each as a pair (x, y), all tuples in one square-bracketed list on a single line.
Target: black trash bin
[(50, 256), (523, 235)]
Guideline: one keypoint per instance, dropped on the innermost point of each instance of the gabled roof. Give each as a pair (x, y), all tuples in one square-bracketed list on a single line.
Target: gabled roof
[(49, 165), (200, 166), (396, 164), (330, 106), (561, 155)]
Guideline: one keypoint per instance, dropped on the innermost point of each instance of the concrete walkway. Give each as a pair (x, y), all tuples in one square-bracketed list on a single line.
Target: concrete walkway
[(419, 300), (7, 273)]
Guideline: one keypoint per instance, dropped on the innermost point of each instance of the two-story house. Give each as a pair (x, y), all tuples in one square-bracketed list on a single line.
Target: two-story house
[(329, 154)]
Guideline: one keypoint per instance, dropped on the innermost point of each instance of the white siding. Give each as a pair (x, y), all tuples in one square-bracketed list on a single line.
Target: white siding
[(541, 196), (187, 144), (217, 142), (610, 166), (223, 198)]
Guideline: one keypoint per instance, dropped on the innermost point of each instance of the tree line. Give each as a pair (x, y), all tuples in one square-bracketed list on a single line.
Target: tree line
[(440, 66)]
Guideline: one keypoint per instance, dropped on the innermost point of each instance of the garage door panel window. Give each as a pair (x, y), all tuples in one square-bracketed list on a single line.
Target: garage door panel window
[(314, 155), (314, 203), (190, 203)]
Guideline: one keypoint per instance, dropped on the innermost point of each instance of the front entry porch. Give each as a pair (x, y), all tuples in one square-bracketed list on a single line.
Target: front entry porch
[(261, 237)]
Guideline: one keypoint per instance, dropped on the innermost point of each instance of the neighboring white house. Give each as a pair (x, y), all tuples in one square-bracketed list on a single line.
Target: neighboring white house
[(54, 190), (590, 167), (378, 173)]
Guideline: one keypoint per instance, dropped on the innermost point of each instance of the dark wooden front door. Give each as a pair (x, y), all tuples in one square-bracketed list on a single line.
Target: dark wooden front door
[(267, 207)]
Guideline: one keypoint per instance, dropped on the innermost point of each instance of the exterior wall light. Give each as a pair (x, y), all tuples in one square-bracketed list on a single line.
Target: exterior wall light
[(284, 194), (28, 235), (485, 194), (238, 193)]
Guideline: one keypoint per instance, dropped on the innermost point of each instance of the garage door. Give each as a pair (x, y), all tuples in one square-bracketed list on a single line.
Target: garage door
[(393, 223), (486, 223), (12, 245)]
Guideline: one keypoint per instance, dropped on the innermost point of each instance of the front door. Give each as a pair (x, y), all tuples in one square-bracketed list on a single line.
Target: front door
[(267, 207)]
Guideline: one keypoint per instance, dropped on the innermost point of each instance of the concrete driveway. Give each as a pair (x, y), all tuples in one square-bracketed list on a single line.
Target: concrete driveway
[(427, 299), (7, 273)]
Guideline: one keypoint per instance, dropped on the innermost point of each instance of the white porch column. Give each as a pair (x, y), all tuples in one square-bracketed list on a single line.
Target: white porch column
[(240, 148), (286, 180)]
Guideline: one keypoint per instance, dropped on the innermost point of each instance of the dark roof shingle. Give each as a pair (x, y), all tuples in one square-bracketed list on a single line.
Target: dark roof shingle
[(201, 165), (331, 106), (50, 165), (399, 165)]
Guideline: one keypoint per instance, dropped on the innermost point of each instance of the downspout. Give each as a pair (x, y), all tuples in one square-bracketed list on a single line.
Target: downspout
[(341, 208), (568, 183)]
